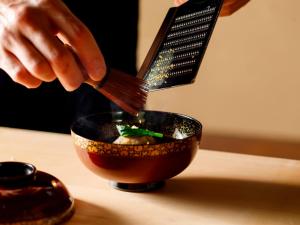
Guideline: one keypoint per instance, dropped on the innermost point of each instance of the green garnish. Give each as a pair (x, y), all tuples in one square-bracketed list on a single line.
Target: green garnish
[(127, 131)]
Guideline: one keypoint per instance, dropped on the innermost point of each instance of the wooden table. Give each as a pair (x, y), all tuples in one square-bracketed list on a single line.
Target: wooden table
[(218, 188)]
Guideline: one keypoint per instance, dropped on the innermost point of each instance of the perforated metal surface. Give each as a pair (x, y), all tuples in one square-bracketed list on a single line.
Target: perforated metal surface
[(177, 51)]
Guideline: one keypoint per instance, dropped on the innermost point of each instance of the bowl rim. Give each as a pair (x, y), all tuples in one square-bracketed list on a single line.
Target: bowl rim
[(197, 133)]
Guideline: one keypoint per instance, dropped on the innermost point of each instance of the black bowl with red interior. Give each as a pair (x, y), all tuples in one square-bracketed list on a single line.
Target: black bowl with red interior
[(136, 167)]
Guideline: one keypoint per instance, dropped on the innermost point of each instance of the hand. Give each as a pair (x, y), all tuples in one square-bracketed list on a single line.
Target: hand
[(231, 6), (228, 8), (33, 39)]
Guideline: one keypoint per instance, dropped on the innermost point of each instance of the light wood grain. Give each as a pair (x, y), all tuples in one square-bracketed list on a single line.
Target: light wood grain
[(218, 188), (253, 145)]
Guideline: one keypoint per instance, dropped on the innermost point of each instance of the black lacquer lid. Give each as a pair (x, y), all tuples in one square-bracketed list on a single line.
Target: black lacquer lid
[(28, 196)]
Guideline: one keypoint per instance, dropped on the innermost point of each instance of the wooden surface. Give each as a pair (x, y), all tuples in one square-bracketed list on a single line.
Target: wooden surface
[(281, 148), (218, 188)]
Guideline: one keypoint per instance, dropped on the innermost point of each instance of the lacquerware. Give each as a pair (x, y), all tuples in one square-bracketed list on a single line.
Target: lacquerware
[(136, 167), (32, 197)]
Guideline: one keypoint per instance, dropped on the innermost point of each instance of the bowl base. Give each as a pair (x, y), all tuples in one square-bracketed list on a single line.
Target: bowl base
[(137, 187)]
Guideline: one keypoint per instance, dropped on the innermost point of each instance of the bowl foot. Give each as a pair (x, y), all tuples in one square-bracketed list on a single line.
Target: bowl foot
[(140, 187)]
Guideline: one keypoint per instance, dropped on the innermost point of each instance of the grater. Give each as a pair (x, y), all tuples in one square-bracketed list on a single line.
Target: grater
[(179, 46)]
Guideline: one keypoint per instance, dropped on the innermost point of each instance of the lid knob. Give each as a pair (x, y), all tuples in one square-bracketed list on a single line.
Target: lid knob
[(16, 174)]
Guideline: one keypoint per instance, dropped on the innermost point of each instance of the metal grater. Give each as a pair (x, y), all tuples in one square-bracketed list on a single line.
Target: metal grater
[(178, 49)]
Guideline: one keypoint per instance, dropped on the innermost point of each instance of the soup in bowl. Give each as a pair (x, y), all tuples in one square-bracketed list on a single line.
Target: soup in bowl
[(137, 162)]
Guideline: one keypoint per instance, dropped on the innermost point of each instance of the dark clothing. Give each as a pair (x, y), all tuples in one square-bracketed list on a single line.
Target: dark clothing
[(50, 107)]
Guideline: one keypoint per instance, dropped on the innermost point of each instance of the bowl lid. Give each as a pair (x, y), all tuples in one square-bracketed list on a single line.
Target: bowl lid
[(28, 196)]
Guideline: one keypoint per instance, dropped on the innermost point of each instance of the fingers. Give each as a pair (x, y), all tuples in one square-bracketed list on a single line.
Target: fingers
[(58, 56), (228, 8), (231, 6), (29, 32), (179, 2), (28, 56), (16, 70), (73, 32)]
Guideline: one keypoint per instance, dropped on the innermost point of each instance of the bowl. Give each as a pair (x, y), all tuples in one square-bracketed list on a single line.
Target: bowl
[(141, 167)]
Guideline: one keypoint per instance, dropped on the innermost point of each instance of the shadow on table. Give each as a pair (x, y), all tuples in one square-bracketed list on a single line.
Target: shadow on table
[(89, 214), (233, 194)]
